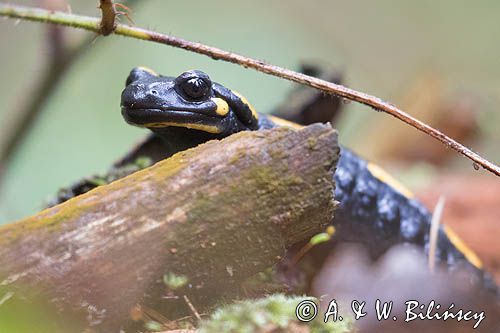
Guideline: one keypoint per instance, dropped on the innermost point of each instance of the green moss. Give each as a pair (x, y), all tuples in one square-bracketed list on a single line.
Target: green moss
[(168, 167), (143, 162), (320, 238), (98, 181), (69, 211), (49, 219), (153, 326), (259, 179), (175, 281), (273, 313)]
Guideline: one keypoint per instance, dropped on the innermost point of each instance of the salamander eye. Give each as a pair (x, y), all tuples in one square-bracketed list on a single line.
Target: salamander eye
[(195, 87)]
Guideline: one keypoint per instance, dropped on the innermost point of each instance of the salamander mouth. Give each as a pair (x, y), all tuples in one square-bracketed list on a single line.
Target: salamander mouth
[(166, 117)]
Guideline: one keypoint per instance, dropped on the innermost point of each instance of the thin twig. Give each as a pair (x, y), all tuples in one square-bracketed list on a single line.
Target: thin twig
[(192, 308), (433, 233), (93, 24)]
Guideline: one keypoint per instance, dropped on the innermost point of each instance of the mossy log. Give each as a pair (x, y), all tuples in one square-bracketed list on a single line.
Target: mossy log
[(213, 215)]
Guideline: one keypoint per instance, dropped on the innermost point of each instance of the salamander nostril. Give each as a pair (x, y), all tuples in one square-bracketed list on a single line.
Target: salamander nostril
[(154, 92)]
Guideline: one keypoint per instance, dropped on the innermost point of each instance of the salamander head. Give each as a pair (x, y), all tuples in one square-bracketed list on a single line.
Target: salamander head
[(190, 101)]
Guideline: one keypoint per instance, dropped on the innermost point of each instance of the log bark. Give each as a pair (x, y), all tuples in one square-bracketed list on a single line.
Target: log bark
[(213, 215)]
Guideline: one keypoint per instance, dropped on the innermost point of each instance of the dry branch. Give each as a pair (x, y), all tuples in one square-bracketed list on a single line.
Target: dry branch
[(93, 24), (215, 214)]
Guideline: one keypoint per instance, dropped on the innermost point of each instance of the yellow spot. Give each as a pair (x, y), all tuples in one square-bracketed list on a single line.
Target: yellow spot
[(199, 127), (244, 100), (149, 70), (284, 123), (383, 176), (330, 230), (222, 107), (460, 245)]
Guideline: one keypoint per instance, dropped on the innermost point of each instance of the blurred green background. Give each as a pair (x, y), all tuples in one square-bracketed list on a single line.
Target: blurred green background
[(381, 46)]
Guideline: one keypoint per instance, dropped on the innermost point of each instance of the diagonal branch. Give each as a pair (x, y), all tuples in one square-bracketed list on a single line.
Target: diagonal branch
[(93, 24)]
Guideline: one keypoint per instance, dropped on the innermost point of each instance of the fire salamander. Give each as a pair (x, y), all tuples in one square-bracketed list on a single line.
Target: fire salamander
[(374, 208)]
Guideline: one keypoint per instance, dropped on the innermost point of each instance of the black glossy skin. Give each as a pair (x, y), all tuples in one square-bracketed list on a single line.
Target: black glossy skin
[(370, 211), (185, 100)]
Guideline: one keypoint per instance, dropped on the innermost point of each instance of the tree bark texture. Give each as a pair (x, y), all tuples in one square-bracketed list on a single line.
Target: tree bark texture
[(214, 215)]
